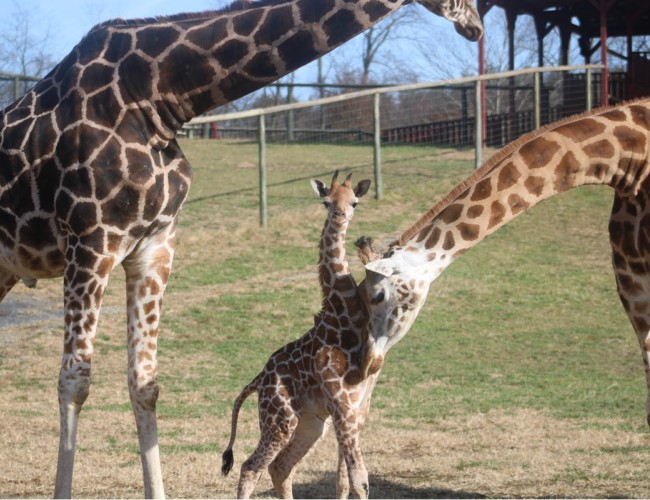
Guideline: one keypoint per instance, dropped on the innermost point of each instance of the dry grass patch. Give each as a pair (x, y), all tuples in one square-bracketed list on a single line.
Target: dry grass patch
[(520, 378)]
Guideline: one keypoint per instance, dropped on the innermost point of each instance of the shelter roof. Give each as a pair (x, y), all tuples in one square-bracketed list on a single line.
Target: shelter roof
[(623, 16)]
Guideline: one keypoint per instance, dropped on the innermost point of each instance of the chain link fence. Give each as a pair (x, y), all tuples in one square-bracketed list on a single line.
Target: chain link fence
[(441, 114), (474, 112)]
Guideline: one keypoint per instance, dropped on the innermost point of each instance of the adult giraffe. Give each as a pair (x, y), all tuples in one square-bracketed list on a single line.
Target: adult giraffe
[(91, 175), (607, 146)]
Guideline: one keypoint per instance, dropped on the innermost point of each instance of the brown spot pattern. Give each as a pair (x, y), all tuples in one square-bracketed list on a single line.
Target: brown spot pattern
[(632, 141), (602, 148), (581, 130), (508, 176), (538, 152), (497, 214), (565, 172)]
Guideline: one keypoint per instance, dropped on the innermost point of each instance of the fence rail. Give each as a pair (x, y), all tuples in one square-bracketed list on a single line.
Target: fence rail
[(522, 104), (13, 86)]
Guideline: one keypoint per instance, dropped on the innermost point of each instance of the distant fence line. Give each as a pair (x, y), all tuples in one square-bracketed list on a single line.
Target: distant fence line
[(13, 86), (521, 109)]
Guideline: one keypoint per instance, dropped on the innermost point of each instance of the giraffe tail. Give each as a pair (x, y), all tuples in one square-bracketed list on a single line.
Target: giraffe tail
[(227, 457)]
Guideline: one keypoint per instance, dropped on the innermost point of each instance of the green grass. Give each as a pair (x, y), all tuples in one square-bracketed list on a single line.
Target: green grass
[(521, 377), (528, 319)]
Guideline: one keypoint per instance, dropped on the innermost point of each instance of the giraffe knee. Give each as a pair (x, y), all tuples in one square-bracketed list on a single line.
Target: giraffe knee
[(81, 392), (145, 396), (74, 389)]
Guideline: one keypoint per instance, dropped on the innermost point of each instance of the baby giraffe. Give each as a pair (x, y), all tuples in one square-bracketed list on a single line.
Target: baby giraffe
[(316, 376)]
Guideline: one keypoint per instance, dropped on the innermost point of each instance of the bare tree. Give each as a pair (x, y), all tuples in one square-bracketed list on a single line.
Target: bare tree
[(377, 54), (23, 43), (378, 37)]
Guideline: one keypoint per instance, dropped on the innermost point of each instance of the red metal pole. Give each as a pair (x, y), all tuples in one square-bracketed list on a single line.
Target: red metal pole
[(603, 6), (604, 77)]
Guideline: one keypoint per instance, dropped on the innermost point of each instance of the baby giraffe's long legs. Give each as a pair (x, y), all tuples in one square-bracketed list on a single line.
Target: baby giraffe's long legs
[(309, 432)]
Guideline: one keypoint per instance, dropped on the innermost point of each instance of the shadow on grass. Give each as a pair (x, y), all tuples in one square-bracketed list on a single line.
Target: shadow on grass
[(325, 487)]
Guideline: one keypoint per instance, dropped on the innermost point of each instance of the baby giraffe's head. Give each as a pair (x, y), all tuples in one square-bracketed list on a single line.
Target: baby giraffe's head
[(340, 199)]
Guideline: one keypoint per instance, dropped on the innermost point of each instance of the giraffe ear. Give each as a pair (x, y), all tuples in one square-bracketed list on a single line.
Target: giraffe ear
[(383, 267), (320, 188), (362, 188)]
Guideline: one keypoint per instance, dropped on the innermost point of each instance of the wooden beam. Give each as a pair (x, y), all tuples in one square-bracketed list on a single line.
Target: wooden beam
[(541, 29), (511, 19)]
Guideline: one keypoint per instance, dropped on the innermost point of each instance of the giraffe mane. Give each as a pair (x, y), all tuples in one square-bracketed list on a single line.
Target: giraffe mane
[(235, 6), (490, 164)]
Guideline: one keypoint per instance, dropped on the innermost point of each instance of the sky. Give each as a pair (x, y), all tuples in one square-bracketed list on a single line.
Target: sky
[(67, 21), (70, 20)]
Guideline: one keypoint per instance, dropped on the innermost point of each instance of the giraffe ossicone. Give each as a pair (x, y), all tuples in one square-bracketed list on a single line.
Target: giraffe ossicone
[(318, 376), (91, 174), (609, 146)]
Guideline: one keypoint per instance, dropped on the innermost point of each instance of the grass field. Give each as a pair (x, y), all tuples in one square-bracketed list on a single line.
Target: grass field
[(520, 378)]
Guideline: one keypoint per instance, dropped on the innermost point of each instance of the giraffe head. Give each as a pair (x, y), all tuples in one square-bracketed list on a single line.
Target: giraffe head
[(462, 13), (340, 199), (394, 291)]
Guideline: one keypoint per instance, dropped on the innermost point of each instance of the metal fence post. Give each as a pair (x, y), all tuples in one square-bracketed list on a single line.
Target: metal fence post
[(290, 115), (377, 145), (588, 96), (262, 166), (538, 100), (464, 117), (17, 92), (478, 154)]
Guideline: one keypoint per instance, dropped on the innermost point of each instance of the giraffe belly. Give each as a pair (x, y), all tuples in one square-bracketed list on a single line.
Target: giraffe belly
[(313, 402), (31, 249), (33, 263)]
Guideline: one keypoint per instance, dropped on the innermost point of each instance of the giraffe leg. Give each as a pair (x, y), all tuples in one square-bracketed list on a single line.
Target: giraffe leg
[(85, 279), (347, 434), (342, 480), (7, 282), (147, 272), (308, 433), (272, 442), (278, 421), (632, 271)]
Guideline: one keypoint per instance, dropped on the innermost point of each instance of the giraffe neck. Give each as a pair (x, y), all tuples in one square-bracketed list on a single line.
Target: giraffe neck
[(608, 147), (186, 64), (342, 316), (337, 284)]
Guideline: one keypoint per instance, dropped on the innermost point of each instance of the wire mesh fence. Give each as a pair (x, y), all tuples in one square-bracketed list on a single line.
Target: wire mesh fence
[(491, 110), (443, 115)]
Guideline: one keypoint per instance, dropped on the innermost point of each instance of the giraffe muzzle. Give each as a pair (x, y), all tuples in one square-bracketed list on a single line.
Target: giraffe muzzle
[(473, 33), (372, 359)]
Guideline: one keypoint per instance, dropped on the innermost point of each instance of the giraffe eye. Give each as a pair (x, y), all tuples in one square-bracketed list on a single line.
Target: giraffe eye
[(378, 298), (354, 205), (327, 204)]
